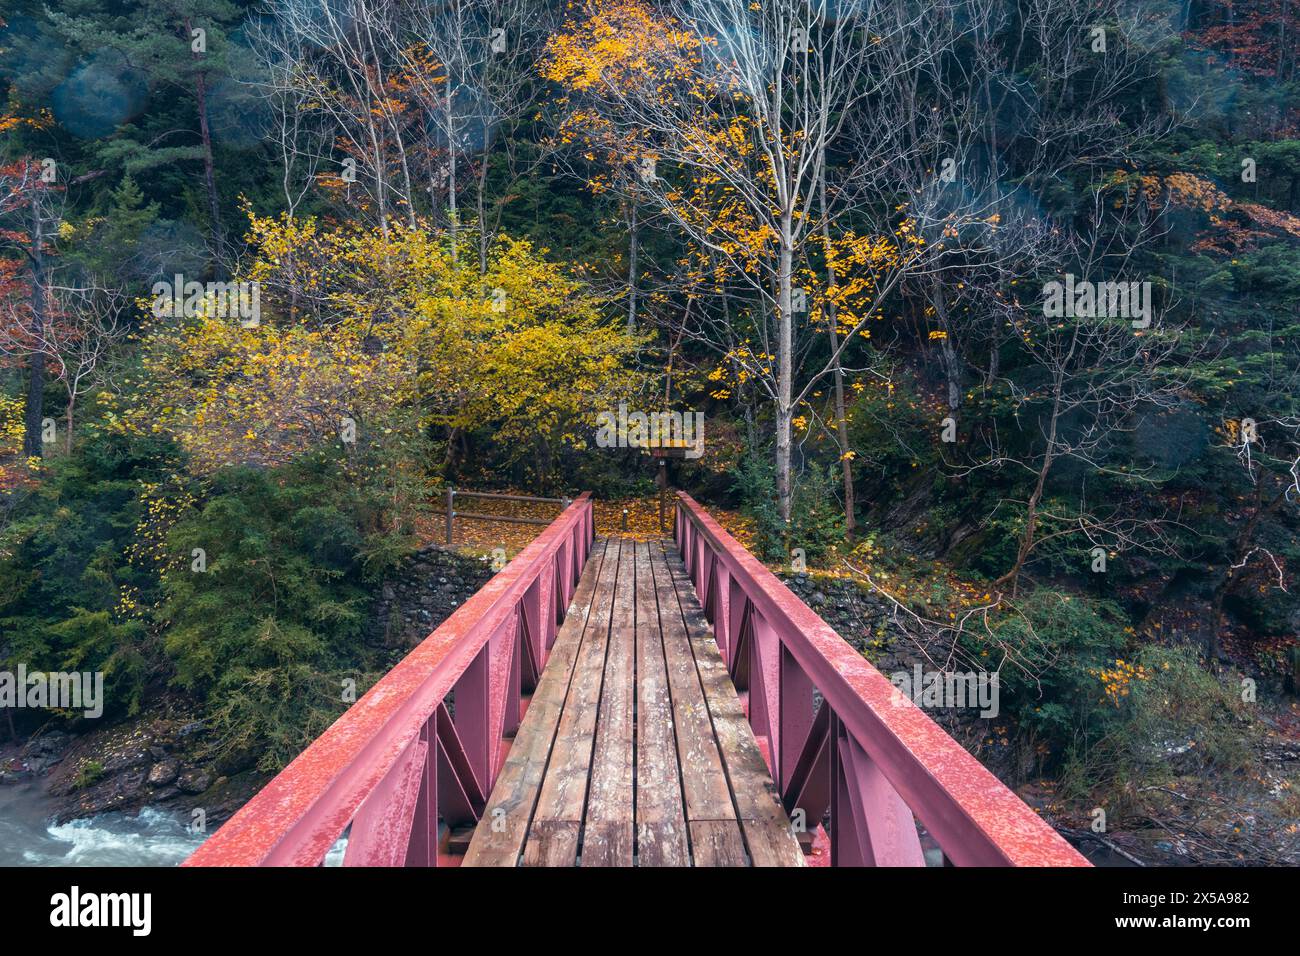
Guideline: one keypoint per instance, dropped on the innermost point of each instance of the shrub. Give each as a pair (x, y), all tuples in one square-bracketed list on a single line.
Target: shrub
[(1110, 715), (88, 774), (1057, 644), (1172, 717), (269, 631), (816, 521), (70, 595)]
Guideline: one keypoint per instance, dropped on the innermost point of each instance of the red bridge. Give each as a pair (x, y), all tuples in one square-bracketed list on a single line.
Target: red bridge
[(608, 702)]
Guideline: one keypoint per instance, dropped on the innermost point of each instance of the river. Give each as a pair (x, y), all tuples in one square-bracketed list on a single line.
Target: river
[(156, 837)]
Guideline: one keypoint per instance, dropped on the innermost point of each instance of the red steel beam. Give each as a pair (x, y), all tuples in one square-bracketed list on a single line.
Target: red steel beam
[(976, 819)]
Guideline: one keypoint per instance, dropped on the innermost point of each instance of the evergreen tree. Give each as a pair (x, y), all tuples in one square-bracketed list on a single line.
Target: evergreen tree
[(178, 44)]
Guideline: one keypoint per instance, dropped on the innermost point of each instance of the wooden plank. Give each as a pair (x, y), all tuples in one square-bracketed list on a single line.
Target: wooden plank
[(608, 833), (704, 779), (717, 843), (499, 838), (608, 842), (459, 839), (660, 821), (772, 843), (766, 827), (635, 701), (564, 788), (552, 843)]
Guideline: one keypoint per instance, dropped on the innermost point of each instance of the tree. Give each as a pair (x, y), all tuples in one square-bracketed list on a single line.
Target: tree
[(28, 214), (739, 105), (472, 69), (333, 64), (395, 334), (272, 629), (110, 246), (1088, 378), (178, 43), (87, 326), (1259, 36)]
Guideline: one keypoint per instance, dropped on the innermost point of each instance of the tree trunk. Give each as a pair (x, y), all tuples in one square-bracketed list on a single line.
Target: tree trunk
[(633, 252), (406, 180), (841, 425), (209, 170), (35, 413), (995, 350), (785, 374), (1031, 527), (450, 460), (67, 439), (381, 193), (842, 437), (1027, 539), (452, 214), (293, 288), (951, 360), (482, 217)]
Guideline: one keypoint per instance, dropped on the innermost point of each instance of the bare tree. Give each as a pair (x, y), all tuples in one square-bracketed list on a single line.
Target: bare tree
[(407, 89), (471, 64), (331, 62), (89, 326), (83, 324), (738, 104), (300, 134), (1024, 98), (1089, 376), (31, 204)]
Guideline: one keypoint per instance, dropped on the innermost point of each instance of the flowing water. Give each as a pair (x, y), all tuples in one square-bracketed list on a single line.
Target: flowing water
[(156, 837)]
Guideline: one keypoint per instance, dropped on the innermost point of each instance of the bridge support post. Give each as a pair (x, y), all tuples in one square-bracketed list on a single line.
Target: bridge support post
[(795, 720), (661, 479), (871, 825)]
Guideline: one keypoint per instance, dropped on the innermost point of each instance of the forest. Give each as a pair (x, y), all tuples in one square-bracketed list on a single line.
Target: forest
[(990, 309)]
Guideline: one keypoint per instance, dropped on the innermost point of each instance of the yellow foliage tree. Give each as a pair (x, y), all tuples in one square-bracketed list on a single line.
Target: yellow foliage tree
[(382, 342)]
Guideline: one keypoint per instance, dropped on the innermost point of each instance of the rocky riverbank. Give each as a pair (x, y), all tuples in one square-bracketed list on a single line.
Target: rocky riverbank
[(158, 760), (859, 616), (1199, 816), (865, 621)]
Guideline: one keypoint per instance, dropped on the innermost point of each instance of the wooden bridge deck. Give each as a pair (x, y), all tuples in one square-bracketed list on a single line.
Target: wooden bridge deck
[(634, 749)]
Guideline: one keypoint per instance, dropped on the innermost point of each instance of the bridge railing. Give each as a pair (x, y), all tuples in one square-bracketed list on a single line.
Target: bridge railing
[(868, 757), (425, 743)]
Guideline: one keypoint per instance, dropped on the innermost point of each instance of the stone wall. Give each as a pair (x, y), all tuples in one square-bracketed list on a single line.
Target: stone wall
[(857, 615), (429, 586)]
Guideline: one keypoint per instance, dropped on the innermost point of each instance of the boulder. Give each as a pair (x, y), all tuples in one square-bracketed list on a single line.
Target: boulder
[(164, 772), (46, 744), (194, 781)]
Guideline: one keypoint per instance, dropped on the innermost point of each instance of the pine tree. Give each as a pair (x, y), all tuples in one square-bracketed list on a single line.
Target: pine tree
[(177, 43)]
